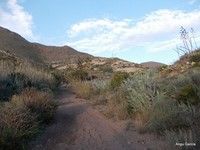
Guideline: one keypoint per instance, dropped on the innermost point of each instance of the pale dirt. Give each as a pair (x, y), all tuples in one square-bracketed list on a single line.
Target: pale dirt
[(77, 126)]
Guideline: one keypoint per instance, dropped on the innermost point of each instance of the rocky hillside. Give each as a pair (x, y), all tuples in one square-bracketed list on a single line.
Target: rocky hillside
[(185, 63), (12, 43), (59, 57), (152, 64)]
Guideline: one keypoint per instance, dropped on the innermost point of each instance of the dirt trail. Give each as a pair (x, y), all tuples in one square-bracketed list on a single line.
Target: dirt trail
[(78, 126)]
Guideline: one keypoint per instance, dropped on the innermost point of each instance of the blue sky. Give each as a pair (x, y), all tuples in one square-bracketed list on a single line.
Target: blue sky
[(135, 30)]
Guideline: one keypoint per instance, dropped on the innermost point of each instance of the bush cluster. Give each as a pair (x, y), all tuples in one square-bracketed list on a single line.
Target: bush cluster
[(16, 77), (195, 56), (25, 101), (22, 117), (117, 79)]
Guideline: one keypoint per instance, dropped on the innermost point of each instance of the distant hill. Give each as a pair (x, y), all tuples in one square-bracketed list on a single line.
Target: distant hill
[(13, 43), (152, 64), (61, 58)]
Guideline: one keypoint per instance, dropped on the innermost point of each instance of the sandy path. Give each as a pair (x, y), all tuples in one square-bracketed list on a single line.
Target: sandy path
[(77, 126)]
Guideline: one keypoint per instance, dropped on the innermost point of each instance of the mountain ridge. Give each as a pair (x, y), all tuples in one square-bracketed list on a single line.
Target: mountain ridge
[(15, 44), (59, 56)]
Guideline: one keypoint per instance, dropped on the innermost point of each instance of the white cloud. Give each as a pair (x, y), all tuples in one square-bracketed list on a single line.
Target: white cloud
[(155, 32), (14, 17)]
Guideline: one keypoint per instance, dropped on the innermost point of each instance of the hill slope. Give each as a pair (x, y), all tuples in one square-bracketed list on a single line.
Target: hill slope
[(152, 64), (13, 43)]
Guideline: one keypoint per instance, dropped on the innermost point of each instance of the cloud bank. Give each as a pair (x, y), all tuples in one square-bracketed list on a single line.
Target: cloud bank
[(155, 32), (14, 17)]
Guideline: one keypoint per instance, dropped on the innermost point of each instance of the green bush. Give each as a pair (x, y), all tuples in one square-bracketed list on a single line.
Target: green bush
[(186, 88), (167, 114), (117, 79), (141, 91), (17, 125), (188, 95), (14, 83)]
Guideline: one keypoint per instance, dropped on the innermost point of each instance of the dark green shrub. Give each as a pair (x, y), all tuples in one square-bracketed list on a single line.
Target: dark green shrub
[(186, 88), (117, 79), (18, 82), (13, 84), (17, 125)]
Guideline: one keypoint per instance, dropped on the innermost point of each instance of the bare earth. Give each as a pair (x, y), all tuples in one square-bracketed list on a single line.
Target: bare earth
[(78, 126)]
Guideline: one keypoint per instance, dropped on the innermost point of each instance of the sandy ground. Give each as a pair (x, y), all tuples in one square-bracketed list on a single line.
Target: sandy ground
[(77, 126)]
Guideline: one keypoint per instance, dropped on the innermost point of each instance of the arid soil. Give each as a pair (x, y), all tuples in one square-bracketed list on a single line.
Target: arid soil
[(77, 126)]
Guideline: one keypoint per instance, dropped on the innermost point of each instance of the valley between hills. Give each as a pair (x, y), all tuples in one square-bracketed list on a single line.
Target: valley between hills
[(57, 98)]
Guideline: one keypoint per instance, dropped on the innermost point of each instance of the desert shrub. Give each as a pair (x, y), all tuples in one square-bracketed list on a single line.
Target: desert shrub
[(58, 76), (18, 82), (168, 114), (94, 90), (39, 77), (142, 89), (187, 94), (181, 137), (117, 79), (78, 74), (163, 67), (189, 135), (14, 83), (106, 68), (6, 68), (117, 106), (40, 103), (100, 86), (186, 87), (195, 57), (83, 89), (17, 125), (16, 77)]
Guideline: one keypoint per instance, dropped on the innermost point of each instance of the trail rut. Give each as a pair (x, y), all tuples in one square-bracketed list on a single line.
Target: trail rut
[(77, 126)]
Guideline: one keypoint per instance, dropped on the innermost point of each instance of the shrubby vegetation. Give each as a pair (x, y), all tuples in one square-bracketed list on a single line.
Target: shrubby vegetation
[(16, 76), (117, 79), (26, 101), (166, 105)]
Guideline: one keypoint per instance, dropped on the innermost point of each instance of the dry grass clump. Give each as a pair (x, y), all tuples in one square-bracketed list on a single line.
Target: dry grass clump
[(83, 89), (117, 106), (90, 89), (26, 101), (16, 76), (39, 77), (23, 117), (17, 125), (40, 103)]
